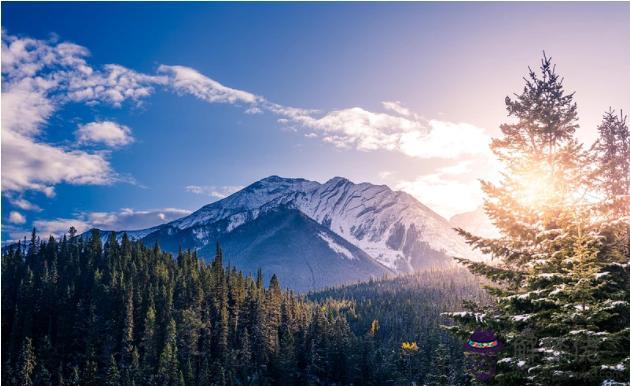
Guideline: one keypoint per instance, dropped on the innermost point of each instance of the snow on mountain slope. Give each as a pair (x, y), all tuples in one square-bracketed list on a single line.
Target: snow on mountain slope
[(336, 247), (254, 196), (282, 240), (392, 227)]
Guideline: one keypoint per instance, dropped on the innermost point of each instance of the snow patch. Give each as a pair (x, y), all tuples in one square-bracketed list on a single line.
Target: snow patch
[(599, 275), (336, 247), (521, 318), (617, 367)]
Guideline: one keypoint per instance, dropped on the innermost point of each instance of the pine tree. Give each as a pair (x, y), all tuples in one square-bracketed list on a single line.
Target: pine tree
[(42, 375), (168, 372), (272, 305), (112, 378), (90, 371), (612, 171), (553, 273), (286, 364), (440, 373), (26, 363), (244, 356), (75, 377), (45, 362), (127, 366), (148, 346), (134, 377)]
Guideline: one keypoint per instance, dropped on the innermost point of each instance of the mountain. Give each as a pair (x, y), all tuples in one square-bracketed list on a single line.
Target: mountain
[(304, 254), (475, 222), (315, 235)]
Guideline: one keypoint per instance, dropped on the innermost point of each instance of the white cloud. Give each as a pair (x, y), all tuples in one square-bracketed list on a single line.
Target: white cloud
[(288, 112), (403, 131), (113, 85), (359, 128), (21, 202), (187, 80), (30, 165), (409, 134), (398, 108), (445, 140), (16, 218), (217, 192), (125, 219), (25, 107), (400, 129), (106, 132), (58, 227), (38, 77), (385, 174), (130, 219)]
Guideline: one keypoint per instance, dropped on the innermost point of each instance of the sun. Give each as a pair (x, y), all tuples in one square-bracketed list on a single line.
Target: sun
[(537, 187)]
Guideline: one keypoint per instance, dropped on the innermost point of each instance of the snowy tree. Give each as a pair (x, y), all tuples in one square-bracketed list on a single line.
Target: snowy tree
[(559, 269), (612, 174)]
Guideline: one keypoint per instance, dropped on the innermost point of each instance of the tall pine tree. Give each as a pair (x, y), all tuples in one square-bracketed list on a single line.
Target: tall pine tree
[(612, 171), (555, 273)]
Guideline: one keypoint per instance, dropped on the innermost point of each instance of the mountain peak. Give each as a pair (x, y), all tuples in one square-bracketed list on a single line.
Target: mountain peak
[(338, 180), (273, 178)]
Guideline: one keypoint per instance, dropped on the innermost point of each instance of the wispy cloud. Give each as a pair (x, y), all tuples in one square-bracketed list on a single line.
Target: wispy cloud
[(398, 108), (397, 129), (124, 219), (20, 202), (217, 192), (445, 140), (385, 174), (130, 219), (187, 80), (56, 227)]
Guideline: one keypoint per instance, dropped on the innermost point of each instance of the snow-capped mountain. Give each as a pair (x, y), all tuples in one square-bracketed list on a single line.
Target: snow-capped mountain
[(325, 233), (391, 226)]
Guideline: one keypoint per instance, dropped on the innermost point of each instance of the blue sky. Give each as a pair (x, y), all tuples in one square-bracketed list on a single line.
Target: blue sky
[(208, 97)]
